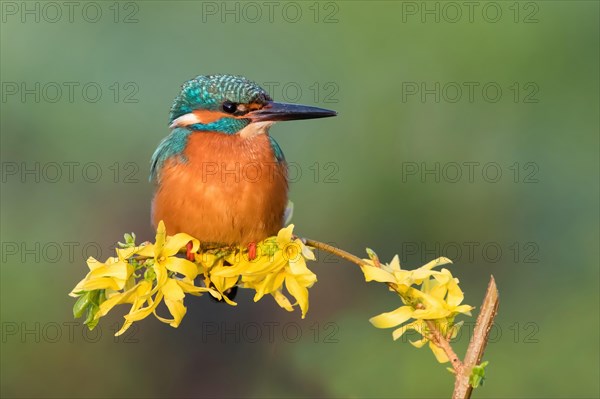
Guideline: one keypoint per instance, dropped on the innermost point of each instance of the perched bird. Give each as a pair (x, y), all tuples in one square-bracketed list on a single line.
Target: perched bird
[(219, 176)]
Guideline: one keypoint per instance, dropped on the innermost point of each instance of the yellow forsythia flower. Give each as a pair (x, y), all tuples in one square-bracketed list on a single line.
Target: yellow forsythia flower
[(281, 260), (148, 274), (428, 295)]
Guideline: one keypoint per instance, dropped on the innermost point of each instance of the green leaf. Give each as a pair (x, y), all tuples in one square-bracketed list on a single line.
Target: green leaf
[(101, 297), (94, 297), (90, 321), (129, 241), (149, 275), (81, 305), (477, 376), (372, 255), (455, 328)]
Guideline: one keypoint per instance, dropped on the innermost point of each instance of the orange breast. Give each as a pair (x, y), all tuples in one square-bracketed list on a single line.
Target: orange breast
[(231, 190)]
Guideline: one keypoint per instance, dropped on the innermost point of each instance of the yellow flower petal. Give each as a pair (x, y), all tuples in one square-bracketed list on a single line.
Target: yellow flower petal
[(161, 237), (142, 313), (182, 266), (443, 276), (177, 310), (455, 294), (222, 284), (393, 318), (431, 313), (415, 325), (147, 250), (161, 274), (172, 291), (436, 262), (194, 290), (299, 266), (373, 273), (284, 236), (394, 265), (228, 301), (262, 265), (125, 327), (439, 353), (298, 292), (421, 274), (93, 263), (177, 242), (267, 285), (101, 283), (129, 296), (120, 270), (110, 275), (419, 343), (173, 296), (282, 301), (464, 309), (307, 252), (438, 291)]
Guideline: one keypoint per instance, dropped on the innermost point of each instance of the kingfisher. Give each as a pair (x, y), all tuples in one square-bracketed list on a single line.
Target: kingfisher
[(219, 175)]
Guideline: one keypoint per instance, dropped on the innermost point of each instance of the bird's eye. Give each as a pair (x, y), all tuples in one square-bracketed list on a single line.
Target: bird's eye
[(229, 107)]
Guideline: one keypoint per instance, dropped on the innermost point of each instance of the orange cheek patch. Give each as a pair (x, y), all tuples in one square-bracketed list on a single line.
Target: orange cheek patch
[(254, 106)]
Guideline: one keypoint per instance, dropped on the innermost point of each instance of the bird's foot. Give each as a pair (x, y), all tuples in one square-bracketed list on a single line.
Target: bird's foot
[(189, 254), (252, 251)]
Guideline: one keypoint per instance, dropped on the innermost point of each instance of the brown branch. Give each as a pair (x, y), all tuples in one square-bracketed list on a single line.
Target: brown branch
[(485, 320), (438, 339), (335, 251)]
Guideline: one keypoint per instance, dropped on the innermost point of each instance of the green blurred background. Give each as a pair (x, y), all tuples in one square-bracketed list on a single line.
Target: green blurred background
[(391, 172)]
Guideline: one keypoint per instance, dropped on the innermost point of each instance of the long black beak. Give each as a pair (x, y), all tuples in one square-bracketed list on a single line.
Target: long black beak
[(274, 111)]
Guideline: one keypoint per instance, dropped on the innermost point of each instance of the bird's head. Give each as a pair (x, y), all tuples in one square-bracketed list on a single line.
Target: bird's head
[(233, 105)]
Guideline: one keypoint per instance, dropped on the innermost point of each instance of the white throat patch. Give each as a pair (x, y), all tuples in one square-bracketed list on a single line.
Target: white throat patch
[(255, 128), (184, 120)]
